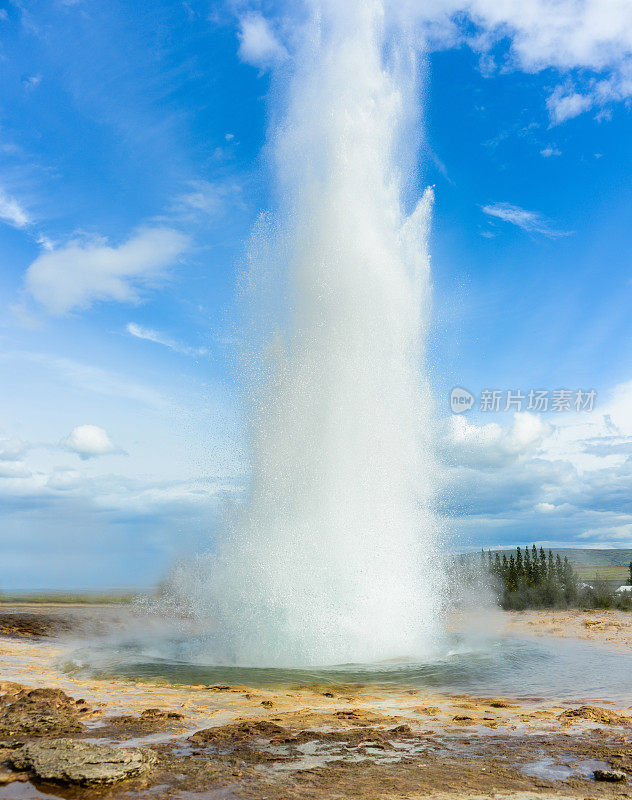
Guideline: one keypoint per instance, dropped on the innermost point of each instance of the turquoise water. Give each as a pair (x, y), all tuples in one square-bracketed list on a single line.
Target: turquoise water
[(547, 668)]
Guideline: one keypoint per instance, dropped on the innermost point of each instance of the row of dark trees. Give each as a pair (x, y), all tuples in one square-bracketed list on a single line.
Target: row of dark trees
[(531, 578)]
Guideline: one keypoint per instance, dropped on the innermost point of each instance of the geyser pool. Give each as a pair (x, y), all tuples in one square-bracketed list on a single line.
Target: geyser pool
[(333, 557), (483, 665)]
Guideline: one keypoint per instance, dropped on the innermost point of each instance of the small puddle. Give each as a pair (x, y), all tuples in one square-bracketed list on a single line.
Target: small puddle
[(23, 790), (561, 768)]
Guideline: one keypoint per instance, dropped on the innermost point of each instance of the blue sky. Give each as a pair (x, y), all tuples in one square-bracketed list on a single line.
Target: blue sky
[(132, 167)]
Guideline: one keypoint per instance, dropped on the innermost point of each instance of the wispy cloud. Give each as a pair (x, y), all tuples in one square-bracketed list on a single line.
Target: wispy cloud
[(12, 212), (529, 221), (564, 105), (89, 378), (82, 272), (31, 82), (157, 337), (44, 242), (207, 201), (258, 43)]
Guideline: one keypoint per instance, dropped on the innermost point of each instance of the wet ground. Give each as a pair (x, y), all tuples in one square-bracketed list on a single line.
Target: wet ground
[(340, 740)]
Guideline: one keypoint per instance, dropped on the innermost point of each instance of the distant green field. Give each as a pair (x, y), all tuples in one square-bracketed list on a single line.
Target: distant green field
[(51, 598), (590, 572)]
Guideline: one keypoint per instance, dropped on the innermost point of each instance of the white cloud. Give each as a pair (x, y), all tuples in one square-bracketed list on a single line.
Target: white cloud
[(529, 221), (12, 449), (563, 105), (589, 42), (528, 480), (491, 445), (621, 535), (547, 152), (82, 272), (618, 410), (13, 470), (89, 441), (258, 44), (151, 335), (560, 33), (64, 479), (12, 212)]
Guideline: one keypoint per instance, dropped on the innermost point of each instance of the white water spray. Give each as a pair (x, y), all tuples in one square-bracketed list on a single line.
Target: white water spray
[(333, 558)]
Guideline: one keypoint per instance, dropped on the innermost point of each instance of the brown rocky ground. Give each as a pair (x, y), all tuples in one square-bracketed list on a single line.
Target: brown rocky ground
[(63, 735), (608, 627)]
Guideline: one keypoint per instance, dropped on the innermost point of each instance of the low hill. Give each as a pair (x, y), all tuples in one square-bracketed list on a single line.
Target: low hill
[(602, 558)]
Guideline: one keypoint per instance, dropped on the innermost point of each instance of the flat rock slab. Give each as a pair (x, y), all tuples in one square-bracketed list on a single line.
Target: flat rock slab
[(69, 761), (611, 775)]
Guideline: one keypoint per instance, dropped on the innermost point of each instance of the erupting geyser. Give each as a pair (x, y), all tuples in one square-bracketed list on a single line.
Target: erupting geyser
[(333, 557)]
